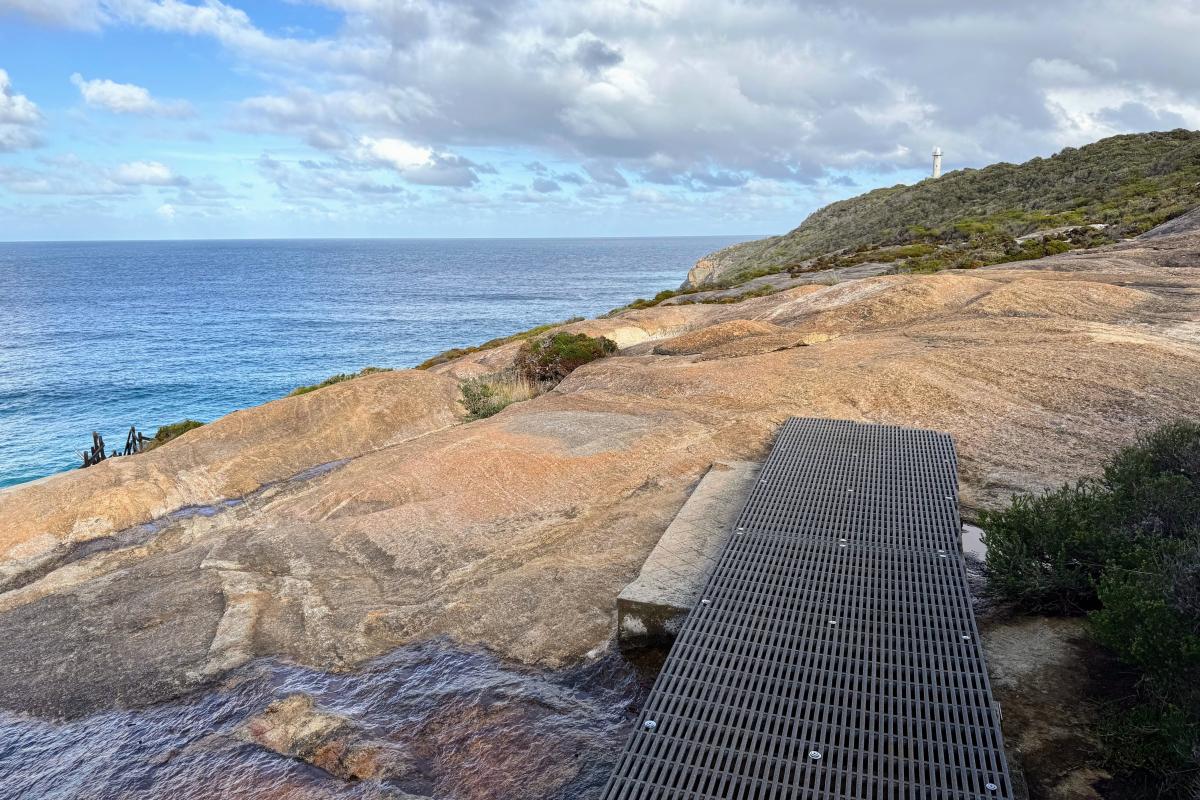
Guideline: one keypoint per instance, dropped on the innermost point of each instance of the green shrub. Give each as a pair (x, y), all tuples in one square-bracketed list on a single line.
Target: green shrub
[(166, 433), (762, 291), (480, 398), (552, 358), (457, 352), (1150, 617), (1156, 484), (1143, 620), (1126, 547), (339, 378), (491, 394), (665, 294), (1151, 742), (1046, 552)]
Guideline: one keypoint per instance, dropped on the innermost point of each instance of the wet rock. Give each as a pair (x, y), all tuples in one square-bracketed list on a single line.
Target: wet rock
[(295, 727), (292, 726), (424, 721), (1043, 672)]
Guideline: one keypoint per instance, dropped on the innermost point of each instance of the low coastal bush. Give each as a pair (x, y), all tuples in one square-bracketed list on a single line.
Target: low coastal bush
[(549, 359), (762, 291), (1149, 616), (339, 378), (1123, 547), (491, 394), (166, 433), (665, 294), (1048, 552), (457, 352)]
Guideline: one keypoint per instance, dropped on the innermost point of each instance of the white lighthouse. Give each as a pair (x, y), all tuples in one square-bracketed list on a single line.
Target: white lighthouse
[(937, 162)]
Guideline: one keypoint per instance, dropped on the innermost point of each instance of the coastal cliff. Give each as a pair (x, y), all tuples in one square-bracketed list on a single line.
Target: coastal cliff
[(518, 531), (333, 527)]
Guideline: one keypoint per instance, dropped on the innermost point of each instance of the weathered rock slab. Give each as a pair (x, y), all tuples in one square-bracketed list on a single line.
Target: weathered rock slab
[(228, 458), (652, 607), (518, 532)]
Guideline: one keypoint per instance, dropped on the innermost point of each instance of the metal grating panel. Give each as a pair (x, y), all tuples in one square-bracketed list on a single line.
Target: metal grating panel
[(834, 653)]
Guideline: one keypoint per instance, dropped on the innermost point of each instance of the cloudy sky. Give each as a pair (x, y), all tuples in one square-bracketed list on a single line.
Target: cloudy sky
[(194, 118)]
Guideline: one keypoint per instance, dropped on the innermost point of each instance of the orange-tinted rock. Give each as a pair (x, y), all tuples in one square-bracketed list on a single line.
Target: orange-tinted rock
[(517, 532), (228, 458)]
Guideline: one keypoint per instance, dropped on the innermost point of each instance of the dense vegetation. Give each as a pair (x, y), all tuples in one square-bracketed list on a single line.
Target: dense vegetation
[(339, 378), (1125, 549), (970, 218), (549, 359)]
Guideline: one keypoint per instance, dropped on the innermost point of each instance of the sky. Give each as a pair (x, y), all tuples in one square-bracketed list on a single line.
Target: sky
[(150, 119)]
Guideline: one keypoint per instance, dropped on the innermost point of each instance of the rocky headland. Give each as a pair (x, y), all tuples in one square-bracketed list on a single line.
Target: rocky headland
[(334, 527)]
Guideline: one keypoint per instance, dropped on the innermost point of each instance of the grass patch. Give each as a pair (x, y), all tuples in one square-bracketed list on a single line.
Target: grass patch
[(339, 378), (1124, 548), (491, 394), (762, 291)]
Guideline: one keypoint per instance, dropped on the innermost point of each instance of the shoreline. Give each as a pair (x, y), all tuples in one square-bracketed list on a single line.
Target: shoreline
[(222, 334)]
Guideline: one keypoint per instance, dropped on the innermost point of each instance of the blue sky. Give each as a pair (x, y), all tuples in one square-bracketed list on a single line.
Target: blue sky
[(202, 118)]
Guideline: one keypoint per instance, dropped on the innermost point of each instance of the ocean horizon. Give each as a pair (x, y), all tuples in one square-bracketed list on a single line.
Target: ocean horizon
[(104, 335)]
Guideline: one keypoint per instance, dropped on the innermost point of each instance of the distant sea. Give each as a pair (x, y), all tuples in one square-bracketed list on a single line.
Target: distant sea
[(104, 335)]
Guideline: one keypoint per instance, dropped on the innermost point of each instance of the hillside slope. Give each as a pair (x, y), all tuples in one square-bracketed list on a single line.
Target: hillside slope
[(971, 218)]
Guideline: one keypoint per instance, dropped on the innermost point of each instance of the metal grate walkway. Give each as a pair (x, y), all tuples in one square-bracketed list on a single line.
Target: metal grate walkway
[(834, 653)]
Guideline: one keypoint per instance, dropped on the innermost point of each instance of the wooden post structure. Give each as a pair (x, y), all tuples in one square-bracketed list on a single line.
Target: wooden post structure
[(135, 442)]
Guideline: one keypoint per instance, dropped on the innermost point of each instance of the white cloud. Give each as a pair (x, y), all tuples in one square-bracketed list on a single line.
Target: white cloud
[(645, 195), (166, 211), (1058, 72), (764, 98), (69, 175), (416, 164), (19, 118), (396, 153), (145, 173), (1084, 114), (126, 98), (772, 90)]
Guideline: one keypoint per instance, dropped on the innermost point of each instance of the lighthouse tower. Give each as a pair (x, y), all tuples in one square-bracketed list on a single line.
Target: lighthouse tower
[(937, 162)]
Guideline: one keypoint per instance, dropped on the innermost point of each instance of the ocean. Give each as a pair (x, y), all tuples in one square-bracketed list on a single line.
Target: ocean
[(99, 336)]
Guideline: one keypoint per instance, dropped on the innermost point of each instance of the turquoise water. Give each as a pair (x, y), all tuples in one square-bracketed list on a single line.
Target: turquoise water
[(104, 335)]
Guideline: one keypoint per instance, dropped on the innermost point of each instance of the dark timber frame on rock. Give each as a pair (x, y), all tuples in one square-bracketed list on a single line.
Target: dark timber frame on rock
[(834, 652)]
